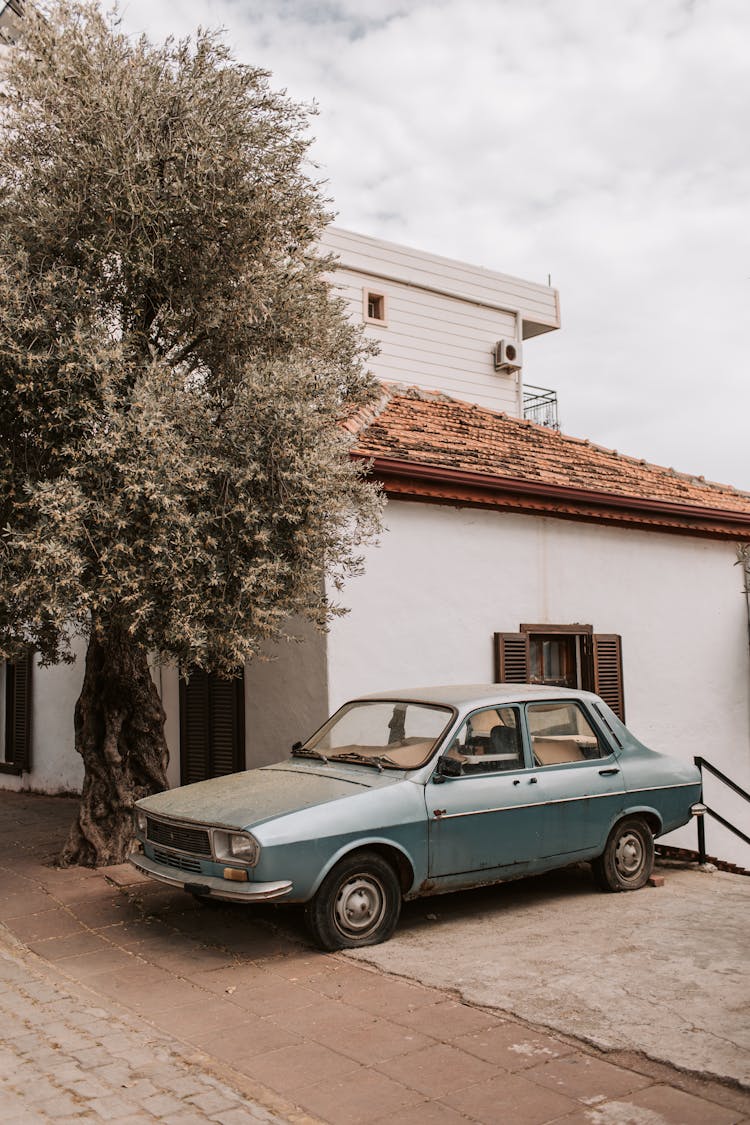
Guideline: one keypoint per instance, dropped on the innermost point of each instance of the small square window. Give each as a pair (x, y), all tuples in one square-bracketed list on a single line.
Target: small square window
[(374, 307)]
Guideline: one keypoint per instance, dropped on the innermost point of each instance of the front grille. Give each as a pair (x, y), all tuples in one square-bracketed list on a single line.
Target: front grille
[(170, 835), (183, 862)]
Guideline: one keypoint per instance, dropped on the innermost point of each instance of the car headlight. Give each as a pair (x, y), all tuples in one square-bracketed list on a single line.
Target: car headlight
[(240, 846), (139, 822)]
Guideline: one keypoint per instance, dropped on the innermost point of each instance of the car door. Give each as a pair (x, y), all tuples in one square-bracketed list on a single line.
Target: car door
[(556, 800), (577, 778), (476, 819)]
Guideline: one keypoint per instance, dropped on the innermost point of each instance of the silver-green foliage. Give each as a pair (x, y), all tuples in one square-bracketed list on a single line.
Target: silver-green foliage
[(173, 365)]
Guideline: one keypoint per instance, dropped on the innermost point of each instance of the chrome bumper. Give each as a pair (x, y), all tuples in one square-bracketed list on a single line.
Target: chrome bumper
[(209, 886)]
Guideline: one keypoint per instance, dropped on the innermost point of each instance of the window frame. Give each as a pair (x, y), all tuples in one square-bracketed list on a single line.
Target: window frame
[(600, 666), (435, 752), (17, 716), (525, 748), (603, 739), (369, 294), (236, 700)]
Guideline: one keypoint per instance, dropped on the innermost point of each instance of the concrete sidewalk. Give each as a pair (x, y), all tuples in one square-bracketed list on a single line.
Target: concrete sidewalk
[(237, 998), (664, 972)]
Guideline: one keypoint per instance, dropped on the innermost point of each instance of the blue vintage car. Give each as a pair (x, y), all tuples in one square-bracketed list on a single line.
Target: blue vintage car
[(412, 793)]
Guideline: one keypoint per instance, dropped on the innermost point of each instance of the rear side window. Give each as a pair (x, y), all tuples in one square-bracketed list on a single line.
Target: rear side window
[(561, 733)]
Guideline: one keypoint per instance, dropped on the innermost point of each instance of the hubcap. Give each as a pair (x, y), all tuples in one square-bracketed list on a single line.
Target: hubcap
[(360, 905), (629, 855)]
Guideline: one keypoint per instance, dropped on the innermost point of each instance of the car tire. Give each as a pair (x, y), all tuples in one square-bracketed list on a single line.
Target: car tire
[(628, 857), (358, 903)]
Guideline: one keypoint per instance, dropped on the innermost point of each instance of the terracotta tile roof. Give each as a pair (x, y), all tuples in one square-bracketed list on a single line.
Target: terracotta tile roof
[(422, 428)]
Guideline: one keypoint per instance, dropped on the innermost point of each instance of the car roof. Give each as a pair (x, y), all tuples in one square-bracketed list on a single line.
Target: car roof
[(477, 695)]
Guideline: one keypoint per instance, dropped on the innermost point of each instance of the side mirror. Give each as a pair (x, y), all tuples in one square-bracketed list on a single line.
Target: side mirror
[(449, 767)]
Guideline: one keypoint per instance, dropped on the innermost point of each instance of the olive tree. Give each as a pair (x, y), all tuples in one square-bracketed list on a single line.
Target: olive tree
[(174, 372)]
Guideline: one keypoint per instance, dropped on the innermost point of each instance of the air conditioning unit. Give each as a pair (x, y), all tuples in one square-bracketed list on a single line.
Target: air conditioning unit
[(508, 355)]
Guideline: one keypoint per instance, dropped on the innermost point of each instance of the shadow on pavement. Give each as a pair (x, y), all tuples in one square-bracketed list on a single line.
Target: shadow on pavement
[(342, 1039)]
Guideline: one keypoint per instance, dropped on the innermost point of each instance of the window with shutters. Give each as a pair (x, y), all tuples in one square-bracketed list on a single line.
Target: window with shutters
[(212, 726), (15, 716), (563, 656)]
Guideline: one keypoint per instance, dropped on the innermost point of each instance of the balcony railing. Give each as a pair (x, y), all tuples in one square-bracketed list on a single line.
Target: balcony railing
[(540, 406)]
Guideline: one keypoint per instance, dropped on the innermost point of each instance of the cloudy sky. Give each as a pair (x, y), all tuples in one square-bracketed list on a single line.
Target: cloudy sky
[(602, 142)]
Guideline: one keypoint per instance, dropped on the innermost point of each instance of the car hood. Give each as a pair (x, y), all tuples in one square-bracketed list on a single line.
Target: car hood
[(243, 800)]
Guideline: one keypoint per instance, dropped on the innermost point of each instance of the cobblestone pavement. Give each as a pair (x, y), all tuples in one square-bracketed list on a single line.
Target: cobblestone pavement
[(130, 1001), (64, 1059)]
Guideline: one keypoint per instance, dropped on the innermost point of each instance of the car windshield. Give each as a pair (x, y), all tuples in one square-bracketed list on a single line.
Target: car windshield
[(388, 734)]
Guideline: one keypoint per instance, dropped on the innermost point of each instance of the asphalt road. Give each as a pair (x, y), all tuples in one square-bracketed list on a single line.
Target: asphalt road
[(664, 971)]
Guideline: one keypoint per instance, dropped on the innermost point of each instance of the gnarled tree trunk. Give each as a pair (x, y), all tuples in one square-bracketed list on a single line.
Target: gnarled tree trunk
[(119, 731)]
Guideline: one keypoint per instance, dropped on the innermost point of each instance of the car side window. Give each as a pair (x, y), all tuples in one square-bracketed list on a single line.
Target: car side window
[(561, 733), (489, 741)]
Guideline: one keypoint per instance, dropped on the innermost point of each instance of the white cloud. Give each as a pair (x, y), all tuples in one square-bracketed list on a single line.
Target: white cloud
[(602, 143)]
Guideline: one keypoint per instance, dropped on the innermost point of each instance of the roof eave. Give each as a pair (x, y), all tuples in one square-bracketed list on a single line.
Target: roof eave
[(409, 480)]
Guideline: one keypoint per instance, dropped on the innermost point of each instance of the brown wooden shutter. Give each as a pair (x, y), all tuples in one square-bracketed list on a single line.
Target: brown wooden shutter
[(608, 671), (18, 715), (194, 731), (227, 708), (212, 726), (511, 658)]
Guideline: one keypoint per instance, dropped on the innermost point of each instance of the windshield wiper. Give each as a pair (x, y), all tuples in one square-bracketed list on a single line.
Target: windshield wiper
[(353, 756), (308, 752), (388, 761), (365, 759)]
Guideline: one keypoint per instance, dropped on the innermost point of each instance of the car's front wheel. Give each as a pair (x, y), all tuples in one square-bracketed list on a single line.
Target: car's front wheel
[(358, 903), (628, 857)]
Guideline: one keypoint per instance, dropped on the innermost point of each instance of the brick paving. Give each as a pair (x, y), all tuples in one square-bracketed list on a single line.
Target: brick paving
[(63, 1058), (135, 1003)]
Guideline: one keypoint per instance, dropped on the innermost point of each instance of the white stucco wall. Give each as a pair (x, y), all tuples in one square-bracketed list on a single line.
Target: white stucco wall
[(286, 696), (167, 680), (56, 768), (443, 580)]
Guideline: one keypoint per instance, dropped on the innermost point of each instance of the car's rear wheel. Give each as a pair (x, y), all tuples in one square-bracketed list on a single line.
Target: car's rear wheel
[(628, 857), (358, 903)]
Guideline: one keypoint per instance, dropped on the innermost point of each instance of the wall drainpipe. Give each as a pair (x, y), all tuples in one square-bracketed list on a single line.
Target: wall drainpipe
[(519, 374), (743, 561)]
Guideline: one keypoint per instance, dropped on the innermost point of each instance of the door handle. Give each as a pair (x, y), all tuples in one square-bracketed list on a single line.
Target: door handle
[(532, 781), (609, 772)]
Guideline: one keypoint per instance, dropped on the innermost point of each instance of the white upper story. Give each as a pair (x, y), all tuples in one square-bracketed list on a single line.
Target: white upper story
[(438, 321)]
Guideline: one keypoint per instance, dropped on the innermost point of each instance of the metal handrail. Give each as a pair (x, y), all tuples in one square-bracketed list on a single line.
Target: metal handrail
[(703, 763), (540, 406)]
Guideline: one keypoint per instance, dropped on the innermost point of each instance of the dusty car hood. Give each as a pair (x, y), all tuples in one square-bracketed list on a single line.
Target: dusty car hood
[(241, 800)]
